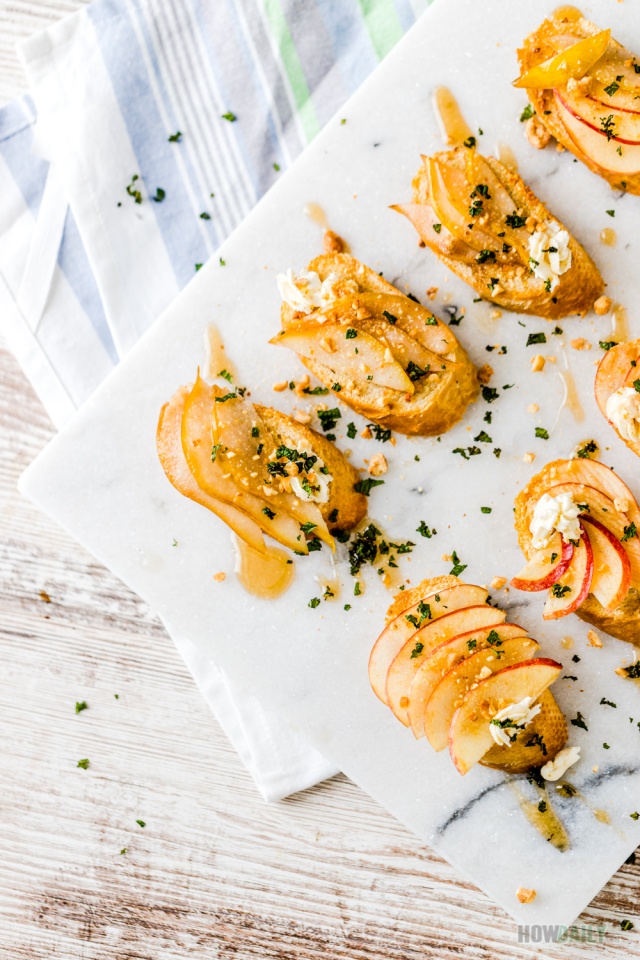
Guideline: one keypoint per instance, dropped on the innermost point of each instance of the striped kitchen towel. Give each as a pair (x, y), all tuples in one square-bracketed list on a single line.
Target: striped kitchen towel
[(152, 129)]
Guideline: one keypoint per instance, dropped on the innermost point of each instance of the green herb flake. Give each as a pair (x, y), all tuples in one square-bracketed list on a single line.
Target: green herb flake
[(578, 721), (175, 137), (536, 338), (84, 764), (351, 430), (81, 705), (485, 509), (527, 113), (437, 227), (426, 531), (159, 195), (314, 602), (541, 433), (231, 117), (457, 567), (366, 486)]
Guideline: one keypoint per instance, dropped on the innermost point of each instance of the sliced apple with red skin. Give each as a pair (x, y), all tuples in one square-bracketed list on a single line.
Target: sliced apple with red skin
[(570, 64), (444, 657), (453, 686), (624, 125), (362, 358), (594, 146), (603, 509), (398, 631), (546, 566), (197, 443), (572, 589), (470, 731), (416, 649), (619, 367), (611, 565), (247, 458), (175, 466), (592, 473), (624, 100)]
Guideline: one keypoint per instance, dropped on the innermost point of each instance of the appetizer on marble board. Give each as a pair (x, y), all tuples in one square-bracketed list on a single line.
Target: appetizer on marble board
[(450, 667), (385, 356), (617, 389), (578, 524), (479, 217), (257, 469), (585, 88)]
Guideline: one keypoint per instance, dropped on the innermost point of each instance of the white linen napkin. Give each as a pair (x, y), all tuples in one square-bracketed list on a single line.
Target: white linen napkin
[(159, 125)]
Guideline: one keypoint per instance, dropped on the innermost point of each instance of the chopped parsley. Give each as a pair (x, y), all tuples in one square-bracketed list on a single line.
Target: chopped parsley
[(613, 87), (626, 925), (363, 549), (133, 191), (329, 418), (560, 591), (414, 372), (514, 221), (457, 567), (417, 650), (541, 433), (268, 513), (227, 396), (470, 142), (607, 124), (207, 216), (486, 256), (227, 376), (426, 531), (159, 195), (468, 452), (485, 509), (351, 334), (437, 227), (175, 137), (379, 432), (585, 452), (351, 430), (84, 764), (389, 316), (81, 705), (315, 391), (231, 117), (629, 532), (366, 486), (536, 338), (578, 721), (608, 344), (314, 602), (611, 213), (483, 437), (489, 394), (527, 113), (607, 703)]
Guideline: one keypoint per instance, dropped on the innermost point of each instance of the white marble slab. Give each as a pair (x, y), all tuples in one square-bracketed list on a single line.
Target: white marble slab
[(100, 477)]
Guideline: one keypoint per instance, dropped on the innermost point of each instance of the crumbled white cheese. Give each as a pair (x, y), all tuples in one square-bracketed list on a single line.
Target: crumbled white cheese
[(555, 513), (623, 410), (306, 291), (315, 484), (549, 252), (510, 720), (556, 768)]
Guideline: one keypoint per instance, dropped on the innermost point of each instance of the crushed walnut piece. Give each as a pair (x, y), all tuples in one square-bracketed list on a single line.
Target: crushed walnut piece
[(580, 87), (495, 314), (280, 386), (533, 408), (580, 344), (602, 306), (432, 293), (498, 583), (537, 134), (378, 465), (594, 639), (301, 416), (485, 373), (528, 457), (219, 577), (537, 363), (526, 895), (366, 433), (332, 243), (621, 505)]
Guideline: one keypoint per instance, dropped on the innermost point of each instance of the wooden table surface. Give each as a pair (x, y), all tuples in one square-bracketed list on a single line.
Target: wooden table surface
[(214, 873)]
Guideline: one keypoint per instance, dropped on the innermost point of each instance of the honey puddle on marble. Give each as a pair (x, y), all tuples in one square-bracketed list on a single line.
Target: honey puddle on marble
[(453, 126), (266, 575), (215, 358)]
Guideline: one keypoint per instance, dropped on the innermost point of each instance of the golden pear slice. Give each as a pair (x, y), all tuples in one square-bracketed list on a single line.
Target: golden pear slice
[(174, 464), (197, 445), (448, 191), (247, 449), (360, 358)]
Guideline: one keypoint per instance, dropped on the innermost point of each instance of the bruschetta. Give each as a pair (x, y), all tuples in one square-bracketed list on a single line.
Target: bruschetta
[(617, 389)]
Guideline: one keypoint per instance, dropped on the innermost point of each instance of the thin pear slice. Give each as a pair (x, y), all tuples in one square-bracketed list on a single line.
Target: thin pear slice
[(434, 233), (414, 319), (363, 358), (397, 632), (470, 731), (444, 657), (409, 659), (447, 190), (571, 64), (197, 443), (174, 464), (456, 683), (498, 206), (404, 348), (246, 450)]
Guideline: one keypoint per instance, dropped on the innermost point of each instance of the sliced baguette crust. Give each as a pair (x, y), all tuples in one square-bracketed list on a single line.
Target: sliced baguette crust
[(351, 506), (438, 402), (577, 289), (624, 621), (537, 49), (610, 377)]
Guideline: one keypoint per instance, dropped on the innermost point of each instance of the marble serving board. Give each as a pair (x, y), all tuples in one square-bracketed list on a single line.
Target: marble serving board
[(100, 478)]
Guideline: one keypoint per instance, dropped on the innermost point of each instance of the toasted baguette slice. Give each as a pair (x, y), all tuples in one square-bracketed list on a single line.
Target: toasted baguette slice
[(197, 467), (593, 114), (545, 735), (618, 370), (611, 503), (414, 349), (484, 248)]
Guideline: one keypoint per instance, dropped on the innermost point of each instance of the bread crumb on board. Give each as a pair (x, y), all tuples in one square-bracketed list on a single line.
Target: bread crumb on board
[(526, 895)]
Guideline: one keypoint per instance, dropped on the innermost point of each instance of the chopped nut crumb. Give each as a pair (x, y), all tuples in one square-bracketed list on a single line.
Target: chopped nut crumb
[(525, 895), (537, 134), (537, 363), (498, 583), (533, 408), (567, 643), (432, 293), (366, 433), (529, 457), (551, 359), (495, 314), (485, 373), (219, 577), (621, 505), (301, 416), (594, 639), (602, 306), (580, 344), (280, 386), (580, 87), (378, 465), (332, 243)]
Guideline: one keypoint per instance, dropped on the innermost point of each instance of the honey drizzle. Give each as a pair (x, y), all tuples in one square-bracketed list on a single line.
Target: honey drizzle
[(266, 575), (453, 126)]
